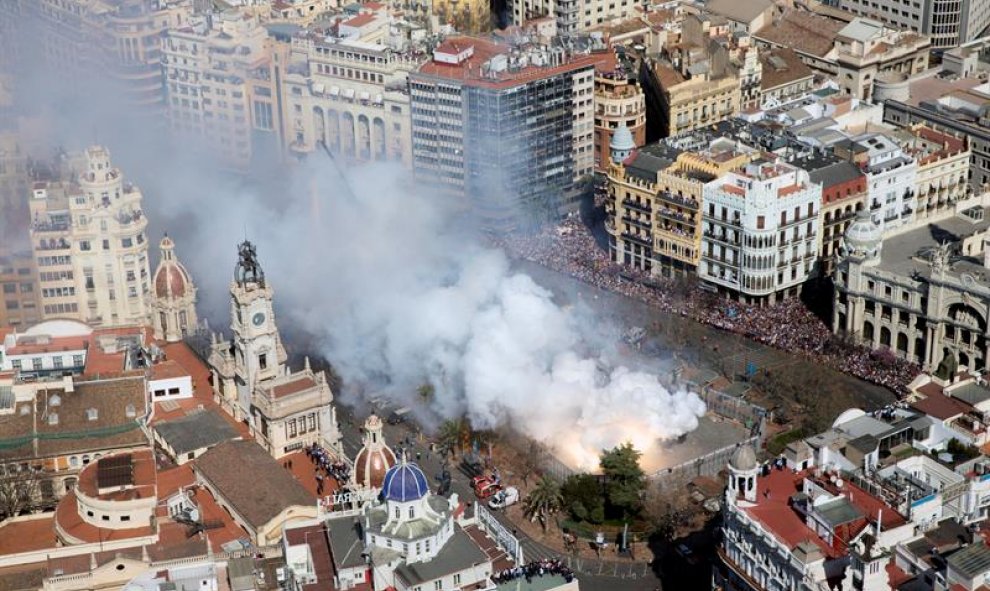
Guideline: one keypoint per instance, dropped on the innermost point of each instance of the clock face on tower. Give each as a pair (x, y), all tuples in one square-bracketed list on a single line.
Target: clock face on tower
[(258, 319)]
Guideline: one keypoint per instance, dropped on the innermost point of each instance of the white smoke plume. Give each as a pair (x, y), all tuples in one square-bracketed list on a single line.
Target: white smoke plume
[(395, 289)]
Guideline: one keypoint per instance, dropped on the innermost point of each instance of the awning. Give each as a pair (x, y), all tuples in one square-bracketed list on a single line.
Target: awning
[(379, 99), (318, 88), (334, 90), (365, 96), (348, 93)]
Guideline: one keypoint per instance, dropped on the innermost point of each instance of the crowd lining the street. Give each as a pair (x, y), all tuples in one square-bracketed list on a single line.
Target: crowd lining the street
[(570, 248)]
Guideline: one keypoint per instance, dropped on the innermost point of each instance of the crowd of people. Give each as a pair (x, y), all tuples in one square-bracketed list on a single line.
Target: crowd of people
[(537, 568), (326, 467), (570, 248)]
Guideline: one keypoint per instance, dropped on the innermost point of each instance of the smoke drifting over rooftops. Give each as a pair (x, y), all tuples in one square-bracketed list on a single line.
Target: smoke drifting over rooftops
[(396, 292)]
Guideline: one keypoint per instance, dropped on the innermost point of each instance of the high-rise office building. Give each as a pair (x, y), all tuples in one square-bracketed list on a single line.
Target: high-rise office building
[(509, 131)]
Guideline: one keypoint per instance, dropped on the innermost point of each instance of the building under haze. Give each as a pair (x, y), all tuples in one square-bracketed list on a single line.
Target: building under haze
[(285, 410), (509, 131), (89, 244), (119, 39), (221, 86), (350, 97), (174, 303), (19, 286)]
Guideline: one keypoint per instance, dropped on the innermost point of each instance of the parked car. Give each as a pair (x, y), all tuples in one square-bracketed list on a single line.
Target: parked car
[(504, 498)]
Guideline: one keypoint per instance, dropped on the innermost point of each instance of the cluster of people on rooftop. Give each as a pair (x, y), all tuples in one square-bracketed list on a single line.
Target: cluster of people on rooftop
[(537, 568), (570, 248), (327, 467)]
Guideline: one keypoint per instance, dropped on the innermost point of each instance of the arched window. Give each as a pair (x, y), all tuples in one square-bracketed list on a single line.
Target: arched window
[(885, 336)]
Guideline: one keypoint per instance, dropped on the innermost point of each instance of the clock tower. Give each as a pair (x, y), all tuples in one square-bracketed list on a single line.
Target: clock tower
[(256, 346)]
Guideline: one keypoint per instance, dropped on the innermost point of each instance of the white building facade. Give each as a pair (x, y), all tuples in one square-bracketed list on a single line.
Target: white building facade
[(89, 244), (760, 237)]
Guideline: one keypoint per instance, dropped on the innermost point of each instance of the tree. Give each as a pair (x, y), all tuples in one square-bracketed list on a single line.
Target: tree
[(19, 491), (543, 501), (667, 510), (530, 460), (582, 495), (624, 479), (454, 435), (426, 392)]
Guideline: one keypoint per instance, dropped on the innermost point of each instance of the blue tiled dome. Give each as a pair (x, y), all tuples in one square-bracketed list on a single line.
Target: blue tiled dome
[(404, 482)]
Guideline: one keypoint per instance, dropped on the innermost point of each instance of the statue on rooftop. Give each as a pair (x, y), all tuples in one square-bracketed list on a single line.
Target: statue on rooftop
[(248, 268), (947, 368)]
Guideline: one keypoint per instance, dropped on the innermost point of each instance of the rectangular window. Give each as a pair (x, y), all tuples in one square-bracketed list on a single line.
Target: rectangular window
[(760, 222)]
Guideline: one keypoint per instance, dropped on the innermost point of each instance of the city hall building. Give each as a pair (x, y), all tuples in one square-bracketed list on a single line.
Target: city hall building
[(924, 294)]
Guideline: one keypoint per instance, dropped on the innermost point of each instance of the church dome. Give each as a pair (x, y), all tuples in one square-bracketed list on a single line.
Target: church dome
[(405, 482), (744, 459), (622, 139), (375, 458), (862, 237), (171, 279)]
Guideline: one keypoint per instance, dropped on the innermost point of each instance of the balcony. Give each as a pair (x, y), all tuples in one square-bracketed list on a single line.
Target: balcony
[(642, 240), (639, 222), (675, 215), (632, 204), (50, 226), (724, 239), (53, 244), (684, 201)]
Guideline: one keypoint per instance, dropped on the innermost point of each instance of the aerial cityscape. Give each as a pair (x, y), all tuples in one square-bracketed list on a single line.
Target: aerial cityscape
[(494, 295)]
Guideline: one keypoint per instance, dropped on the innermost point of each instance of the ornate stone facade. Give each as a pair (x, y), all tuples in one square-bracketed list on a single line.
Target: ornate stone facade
[(174, 302)]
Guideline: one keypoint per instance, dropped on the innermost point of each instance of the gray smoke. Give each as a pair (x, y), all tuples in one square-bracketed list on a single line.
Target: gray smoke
[(397, 291)]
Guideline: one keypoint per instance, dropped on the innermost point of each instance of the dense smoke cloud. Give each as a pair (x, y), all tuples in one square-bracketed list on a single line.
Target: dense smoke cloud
[(396, 290)]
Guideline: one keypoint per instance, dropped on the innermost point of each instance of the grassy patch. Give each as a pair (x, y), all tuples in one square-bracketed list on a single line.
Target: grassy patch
[(777, 444)]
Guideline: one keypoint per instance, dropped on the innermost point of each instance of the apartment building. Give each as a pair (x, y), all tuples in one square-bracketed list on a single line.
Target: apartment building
[(655, 203), (221, 87), (19, 286), (701, 80), (948, 23), (118, 38), (470, 17), (350, 97), (952, 105), (855, 55), (619, 100), (14, 183), (89, 244), (761, 232), (572, 16), (509, 133), (891, 176)]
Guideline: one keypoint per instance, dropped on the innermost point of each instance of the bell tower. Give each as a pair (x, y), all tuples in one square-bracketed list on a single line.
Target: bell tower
[(257, 347)]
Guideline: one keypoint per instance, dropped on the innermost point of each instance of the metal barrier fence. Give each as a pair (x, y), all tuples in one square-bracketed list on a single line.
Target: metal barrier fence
[(503, 537)]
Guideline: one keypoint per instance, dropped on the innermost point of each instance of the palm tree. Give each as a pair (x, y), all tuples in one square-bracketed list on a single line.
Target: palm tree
[(426, 391), (543, 501), (450, 435)]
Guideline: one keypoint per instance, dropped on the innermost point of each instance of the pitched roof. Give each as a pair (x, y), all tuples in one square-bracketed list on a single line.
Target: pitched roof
[(251, 481), (195, 431), (803, 31), (458, 554), (740, 11), (71, 427), (940, 406)]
